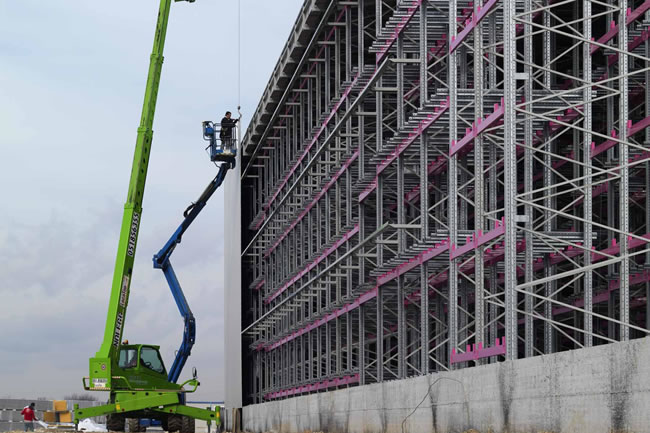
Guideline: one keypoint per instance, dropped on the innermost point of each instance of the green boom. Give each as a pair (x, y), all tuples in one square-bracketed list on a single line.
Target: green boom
[(133, 207)]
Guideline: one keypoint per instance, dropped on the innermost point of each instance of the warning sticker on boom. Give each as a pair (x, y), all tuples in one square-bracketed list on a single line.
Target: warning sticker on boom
[(125, 286)]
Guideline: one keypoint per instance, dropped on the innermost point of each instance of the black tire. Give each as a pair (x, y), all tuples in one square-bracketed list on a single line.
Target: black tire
[(114, 422), (174, 423), (188, 425), (164, 424), (133, 425)]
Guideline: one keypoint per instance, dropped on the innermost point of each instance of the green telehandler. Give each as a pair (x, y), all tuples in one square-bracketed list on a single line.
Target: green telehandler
[(134, 374)]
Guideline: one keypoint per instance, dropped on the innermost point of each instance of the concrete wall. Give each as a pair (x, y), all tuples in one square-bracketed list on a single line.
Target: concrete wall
[(232, 287), (599, 390)]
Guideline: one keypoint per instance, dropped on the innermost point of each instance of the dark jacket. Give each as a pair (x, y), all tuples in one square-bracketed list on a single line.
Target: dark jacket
[(226, 127)]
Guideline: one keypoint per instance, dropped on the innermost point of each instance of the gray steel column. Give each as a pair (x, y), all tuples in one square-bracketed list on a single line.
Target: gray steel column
[(401, 236), (452, 326), (401, 329), (623, 157), (479, 185), (424, 319), (400, 82), (424, 196), (327, 78), (611, 192), (646, 144), (492, 178), (424, 181), (319, 352), (310, 361), (529, 337), (510, 177), (360, 34), (586, 158), (380, 335), (337, 59), (549, 270), (349, 364), (424, 52), (362, 346), (338, 346)]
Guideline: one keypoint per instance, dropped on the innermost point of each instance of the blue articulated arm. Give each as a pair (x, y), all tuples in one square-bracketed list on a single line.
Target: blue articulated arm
[(161, 261)]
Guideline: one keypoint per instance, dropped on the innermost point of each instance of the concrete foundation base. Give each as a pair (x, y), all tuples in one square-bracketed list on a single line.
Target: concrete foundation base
[(598, 390)]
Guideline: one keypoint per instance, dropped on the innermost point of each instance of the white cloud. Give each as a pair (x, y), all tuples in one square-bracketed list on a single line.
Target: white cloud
[(71, 87)]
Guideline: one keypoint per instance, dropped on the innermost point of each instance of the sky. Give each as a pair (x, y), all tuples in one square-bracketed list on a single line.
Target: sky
[(72, 77)]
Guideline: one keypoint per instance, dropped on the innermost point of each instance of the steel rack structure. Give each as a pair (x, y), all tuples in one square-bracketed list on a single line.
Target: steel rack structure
[(431, 185)]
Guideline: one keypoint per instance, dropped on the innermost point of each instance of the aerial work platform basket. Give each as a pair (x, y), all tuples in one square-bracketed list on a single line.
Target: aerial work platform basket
[(223, 142)]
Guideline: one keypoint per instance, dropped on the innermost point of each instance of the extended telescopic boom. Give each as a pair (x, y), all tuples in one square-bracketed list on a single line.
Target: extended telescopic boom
[(101, 364)]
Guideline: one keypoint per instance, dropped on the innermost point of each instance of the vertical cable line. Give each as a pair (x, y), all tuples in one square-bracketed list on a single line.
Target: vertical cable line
[(238, 54)]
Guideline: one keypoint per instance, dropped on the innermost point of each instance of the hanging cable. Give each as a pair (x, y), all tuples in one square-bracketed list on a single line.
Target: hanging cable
[(239, 54), (238, 73)]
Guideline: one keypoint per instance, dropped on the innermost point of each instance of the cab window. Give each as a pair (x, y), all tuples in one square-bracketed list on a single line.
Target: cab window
[(128, 358), (150, 358)]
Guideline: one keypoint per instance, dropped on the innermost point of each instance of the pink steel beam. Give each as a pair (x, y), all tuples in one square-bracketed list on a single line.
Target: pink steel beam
[(329, 184), (259, 285), (639, 278), (615, 249), (613, 28), (570, 252), (315, 263), (519, 28), (474, 353), (631, 130), (367, 296), (604, 187), (473, 21), (398, 30), (326, 384), (302, 85), (478, 239), (418, 260), (492, 256), (571, 115), (421, 258), (368, 190), (422, 126), (476, 130), (313, 141), (439, 165), (645, 34), (434, 52), (481, 239), (435, 167)]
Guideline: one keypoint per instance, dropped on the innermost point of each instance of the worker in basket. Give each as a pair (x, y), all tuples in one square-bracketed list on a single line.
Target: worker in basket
[(228, 142)]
